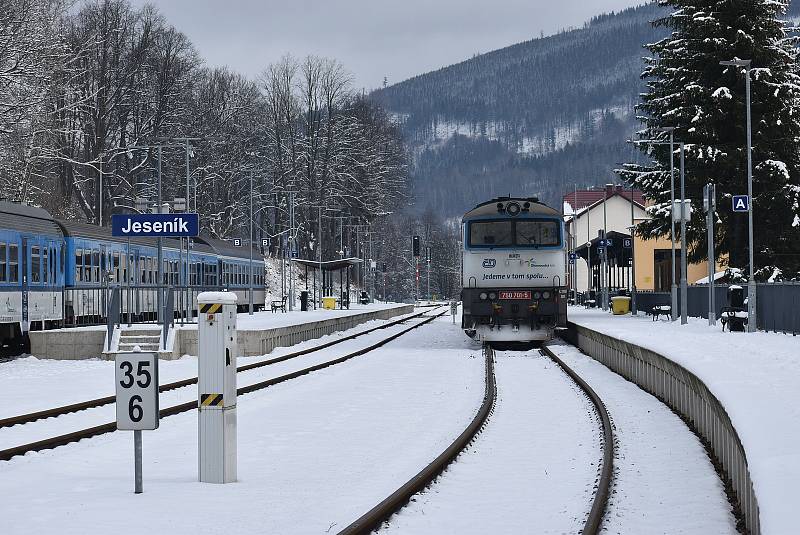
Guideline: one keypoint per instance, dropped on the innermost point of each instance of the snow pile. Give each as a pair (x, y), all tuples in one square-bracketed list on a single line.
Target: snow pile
[(756, 376)]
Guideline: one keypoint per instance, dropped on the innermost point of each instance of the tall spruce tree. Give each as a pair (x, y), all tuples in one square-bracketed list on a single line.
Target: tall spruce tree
[(705, 102)]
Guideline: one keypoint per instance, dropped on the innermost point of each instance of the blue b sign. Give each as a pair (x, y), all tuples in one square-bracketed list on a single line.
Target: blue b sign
[(573, 256), (155, 225), (741, 203)]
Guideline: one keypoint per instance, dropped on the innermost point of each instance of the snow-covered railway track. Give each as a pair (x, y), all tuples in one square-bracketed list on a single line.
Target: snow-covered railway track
[(180, 388), (379, 516)]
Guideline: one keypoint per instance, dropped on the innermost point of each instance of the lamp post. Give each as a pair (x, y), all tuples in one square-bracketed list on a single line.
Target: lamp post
[(751, 283), (673, 287)]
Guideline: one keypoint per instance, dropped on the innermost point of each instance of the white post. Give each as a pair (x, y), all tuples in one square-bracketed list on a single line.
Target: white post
[(217, 352)]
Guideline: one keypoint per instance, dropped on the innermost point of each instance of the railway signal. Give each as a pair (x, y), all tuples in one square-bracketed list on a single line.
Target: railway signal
[(136, 380)]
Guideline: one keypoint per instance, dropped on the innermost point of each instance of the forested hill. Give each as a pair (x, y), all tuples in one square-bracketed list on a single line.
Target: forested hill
[(533, 118)]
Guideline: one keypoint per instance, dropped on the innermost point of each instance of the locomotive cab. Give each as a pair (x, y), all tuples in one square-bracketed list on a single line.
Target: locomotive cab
[(514, 269)]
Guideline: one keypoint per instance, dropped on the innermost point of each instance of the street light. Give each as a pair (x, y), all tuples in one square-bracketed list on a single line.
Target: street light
[(751, 283), (673, 287), (684, 276)]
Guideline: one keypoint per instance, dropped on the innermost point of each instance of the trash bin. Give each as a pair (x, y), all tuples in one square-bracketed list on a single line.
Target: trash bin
[(620, 305), (329, 302), (304, 301), (364, 298)]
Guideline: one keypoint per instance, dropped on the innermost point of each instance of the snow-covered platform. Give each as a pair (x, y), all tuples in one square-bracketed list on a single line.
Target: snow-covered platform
[(755, 377), (257, 334)]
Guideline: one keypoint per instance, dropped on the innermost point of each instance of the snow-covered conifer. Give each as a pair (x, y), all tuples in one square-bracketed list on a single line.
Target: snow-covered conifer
[(689, 90)]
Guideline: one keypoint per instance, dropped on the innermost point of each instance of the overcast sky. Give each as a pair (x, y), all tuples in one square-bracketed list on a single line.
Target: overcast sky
[(372, 38)]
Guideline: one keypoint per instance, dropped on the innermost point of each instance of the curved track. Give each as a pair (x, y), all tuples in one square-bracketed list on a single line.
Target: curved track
[(595, 519), (109, 427), (381, 513)]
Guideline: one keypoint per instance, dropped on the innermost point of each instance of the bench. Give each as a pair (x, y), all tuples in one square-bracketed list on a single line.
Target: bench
[(661, 310), (278, 305), (735, 318)]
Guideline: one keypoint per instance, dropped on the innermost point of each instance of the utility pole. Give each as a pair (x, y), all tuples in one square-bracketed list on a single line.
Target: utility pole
[(684, 276), (752, 320), (292, 245), (250, 245), (633, 257), (604, 256), (710, 205), (160, 282)]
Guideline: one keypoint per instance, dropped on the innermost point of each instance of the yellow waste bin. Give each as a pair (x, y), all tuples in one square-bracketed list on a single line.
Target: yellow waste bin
[(620, 305), (329, 303)]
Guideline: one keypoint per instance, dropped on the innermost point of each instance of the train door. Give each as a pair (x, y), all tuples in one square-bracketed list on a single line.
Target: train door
[(24, 326)]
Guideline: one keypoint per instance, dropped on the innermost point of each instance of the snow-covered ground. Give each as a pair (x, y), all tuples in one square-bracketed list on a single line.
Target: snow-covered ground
[(186, 367), (756, 376), (663, 480), (531, 470), (314, 453)]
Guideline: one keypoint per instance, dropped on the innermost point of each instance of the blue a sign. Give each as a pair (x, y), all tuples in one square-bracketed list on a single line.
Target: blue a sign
[(155, 225), (741, 203), (573, 256)]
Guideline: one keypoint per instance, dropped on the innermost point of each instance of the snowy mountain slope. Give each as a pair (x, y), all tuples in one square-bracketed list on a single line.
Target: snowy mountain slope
[(534, 118)]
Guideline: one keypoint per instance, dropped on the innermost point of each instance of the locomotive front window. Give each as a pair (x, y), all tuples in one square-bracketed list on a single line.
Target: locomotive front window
[(532, 233), (490, 233)]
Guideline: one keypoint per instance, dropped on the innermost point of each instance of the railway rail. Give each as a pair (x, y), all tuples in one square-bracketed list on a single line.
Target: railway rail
[(379, 514), (109, 427)]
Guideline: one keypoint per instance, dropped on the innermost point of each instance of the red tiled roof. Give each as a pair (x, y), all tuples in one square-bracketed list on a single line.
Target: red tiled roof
[(587, 197)]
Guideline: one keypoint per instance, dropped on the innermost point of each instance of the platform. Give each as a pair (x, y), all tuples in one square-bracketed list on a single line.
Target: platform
[(756, 378), (257, 334)]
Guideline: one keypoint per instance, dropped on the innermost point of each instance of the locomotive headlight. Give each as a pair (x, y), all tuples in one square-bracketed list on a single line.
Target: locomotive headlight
[(492, 296), (536, 295), (483, 296), (546, 295)]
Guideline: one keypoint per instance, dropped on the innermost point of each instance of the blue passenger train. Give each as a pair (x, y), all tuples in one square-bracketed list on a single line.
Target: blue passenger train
[(53, 272)]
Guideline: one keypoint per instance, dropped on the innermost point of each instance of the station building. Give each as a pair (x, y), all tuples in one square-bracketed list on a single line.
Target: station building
[(620, 209)]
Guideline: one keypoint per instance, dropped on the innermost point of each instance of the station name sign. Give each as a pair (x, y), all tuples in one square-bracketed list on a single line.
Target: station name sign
[(155, 225)]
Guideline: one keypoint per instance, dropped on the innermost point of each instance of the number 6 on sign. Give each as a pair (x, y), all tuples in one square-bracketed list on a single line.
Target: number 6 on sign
[(136, 379)]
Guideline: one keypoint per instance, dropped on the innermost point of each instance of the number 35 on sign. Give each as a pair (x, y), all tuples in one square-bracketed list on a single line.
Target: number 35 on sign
[(136, 378)]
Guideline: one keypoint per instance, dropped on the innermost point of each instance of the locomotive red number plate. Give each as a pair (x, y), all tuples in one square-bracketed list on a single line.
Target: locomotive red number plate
[(515, 295)]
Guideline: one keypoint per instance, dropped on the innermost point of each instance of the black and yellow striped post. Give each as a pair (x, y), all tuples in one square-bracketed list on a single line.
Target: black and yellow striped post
[(217, 352)]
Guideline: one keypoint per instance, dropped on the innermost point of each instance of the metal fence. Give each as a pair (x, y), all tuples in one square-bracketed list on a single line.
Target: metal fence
[(91, 306), (777, 306)]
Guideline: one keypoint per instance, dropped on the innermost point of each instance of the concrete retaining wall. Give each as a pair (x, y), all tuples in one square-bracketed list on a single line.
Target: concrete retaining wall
[(686, 394), (68, 344), (76, 344), (261, 342)]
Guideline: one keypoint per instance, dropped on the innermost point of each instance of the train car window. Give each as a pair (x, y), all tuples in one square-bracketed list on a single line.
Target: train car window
[(490, 233), (13, 262), (52, 265), (96, 265), (87, 265), (116, 265), (45, 265), (532, 233), (78, 264), (36, 264), (3, 262)]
